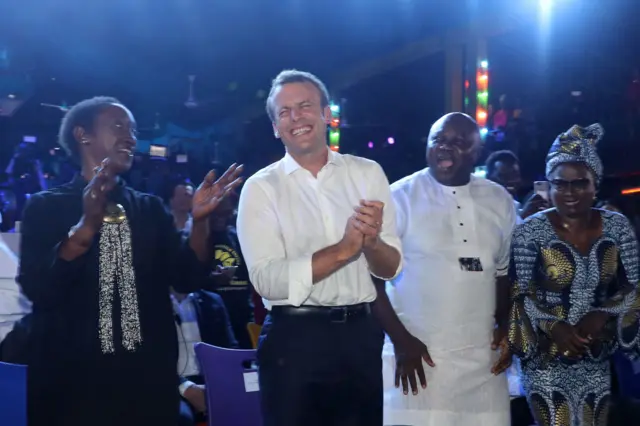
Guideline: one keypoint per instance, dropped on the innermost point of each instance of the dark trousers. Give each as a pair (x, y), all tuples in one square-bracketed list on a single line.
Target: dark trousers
[(317, 372), (520, 412)]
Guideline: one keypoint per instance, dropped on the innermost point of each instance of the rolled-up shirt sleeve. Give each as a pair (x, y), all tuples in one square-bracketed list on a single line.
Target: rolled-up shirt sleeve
[(274, 276), (508, 225), (388, 234)]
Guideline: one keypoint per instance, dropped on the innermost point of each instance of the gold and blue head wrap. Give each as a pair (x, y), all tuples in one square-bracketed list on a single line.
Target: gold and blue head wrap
[(577, 145)]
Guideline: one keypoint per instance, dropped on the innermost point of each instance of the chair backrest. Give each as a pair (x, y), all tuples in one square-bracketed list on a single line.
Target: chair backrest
[(233, 394), (13, 394), (628, 375), (254, 333)]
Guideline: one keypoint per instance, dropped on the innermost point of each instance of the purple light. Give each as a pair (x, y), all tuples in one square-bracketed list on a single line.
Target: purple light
[(370, 145), (391, 141)]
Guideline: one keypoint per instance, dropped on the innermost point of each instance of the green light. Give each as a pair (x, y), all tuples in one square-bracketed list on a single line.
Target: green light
[(334, 137)]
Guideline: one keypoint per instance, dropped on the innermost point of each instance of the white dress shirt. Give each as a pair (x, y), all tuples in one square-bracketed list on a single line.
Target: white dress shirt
[(447, 307), (13, 304), (285, 215)]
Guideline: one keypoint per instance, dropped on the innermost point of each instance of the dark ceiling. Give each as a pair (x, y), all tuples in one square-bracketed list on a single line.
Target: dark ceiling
[(143, 51)]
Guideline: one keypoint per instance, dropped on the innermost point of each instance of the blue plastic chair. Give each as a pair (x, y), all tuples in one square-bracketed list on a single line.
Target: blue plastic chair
[(229, 401), (13, 394)]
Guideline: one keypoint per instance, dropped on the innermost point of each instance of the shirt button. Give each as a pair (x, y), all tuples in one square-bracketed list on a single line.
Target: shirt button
[(454, 192), (464, 241), (462, 224), (459, 207)]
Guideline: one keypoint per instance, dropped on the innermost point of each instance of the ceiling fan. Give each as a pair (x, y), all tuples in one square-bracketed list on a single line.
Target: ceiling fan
[(192, 102), (64, 107)]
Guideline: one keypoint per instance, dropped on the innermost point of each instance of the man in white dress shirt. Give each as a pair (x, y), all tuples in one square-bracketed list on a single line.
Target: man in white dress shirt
[(453, 293), (313, 227)]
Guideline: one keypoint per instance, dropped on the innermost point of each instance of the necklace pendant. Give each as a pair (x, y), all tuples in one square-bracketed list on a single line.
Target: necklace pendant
[(114, 213)]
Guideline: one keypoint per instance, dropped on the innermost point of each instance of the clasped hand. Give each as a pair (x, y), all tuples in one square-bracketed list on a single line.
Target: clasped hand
[(363, 227), (574, 341)]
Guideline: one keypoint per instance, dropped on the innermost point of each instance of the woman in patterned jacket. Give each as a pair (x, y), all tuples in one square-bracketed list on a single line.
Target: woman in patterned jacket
[(575, 273)]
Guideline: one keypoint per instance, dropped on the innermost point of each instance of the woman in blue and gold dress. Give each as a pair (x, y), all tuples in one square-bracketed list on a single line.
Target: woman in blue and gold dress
[(575, 301)]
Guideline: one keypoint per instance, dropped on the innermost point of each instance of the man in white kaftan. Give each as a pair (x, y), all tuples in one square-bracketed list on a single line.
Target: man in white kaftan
[(455, 230)]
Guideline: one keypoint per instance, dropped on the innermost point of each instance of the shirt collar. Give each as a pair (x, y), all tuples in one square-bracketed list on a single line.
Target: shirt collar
[(291, 165)]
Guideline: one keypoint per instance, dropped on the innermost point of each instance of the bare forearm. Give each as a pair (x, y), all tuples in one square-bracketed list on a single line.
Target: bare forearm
[(199, 240), (327, 261), (383, 260), (386, 315), (79, 242), (503, 301)]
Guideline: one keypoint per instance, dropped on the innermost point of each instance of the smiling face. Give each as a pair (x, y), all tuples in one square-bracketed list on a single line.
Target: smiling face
[(507, 174), (453, 148), (573, 189), (113, 136), (300, 119)]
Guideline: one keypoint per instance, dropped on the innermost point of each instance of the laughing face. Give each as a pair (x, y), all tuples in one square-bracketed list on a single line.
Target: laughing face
[(300, 118), (114, 137), (453, 148), (573, 189)]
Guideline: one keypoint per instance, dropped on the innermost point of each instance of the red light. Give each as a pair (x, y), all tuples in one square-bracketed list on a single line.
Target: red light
[(466, 84), (481, 115), (335, 123)]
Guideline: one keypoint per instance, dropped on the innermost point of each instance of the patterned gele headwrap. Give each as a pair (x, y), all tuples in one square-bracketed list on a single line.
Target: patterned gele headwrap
[(577, 145)]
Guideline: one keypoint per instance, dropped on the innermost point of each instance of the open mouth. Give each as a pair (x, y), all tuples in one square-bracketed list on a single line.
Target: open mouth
[(299, 131), (125, 151), (571, 203), (444, 160)]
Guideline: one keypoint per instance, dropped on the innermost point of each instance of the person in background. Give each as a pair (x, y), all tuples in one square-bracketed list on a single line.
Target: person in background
[(97, 260), (13, 303), (610, 205), (453, 294), (230, 276), (313, 228), (575, 291), (503, 168), (200, 316), (501, 116), (180, 197)]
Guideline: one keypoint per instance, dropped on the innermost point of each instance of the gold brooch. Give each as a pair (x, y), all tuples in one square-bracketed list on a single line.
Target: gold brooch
[(114, 213)]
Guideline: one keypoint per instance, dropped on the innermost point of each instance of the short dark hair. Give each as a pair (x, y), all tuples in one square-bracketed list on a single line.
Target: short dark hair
[(171, 188), (295, 76), (505, 156), (82, 114)]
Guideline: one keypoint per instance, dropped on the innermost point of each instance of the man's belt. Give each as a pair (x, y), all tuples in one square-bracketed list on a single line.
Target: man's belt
[(334, 314)]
